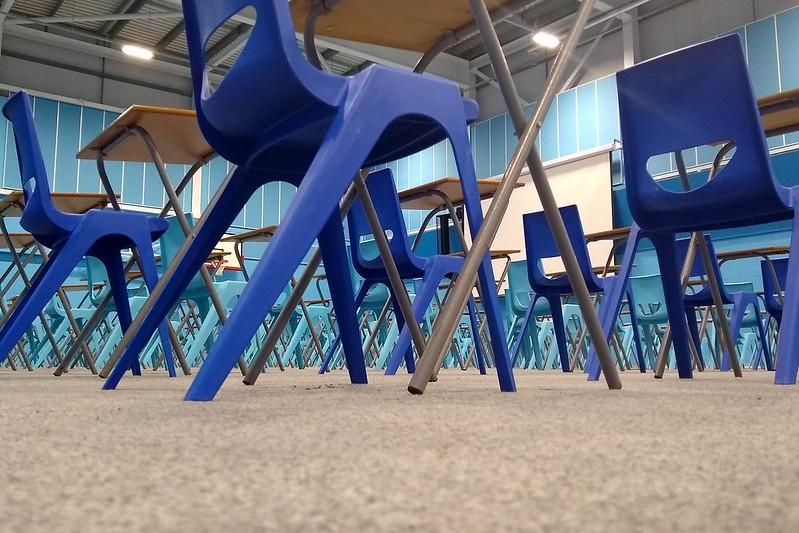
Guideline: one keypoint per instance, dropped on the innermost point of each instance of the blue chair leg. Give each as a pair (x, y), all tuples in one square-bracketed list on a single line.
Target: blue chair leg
[(478, 343), (560, 332), (150, 274), (334, 257), (788, 348), (393, 363), (519, 340), (672, 289), (43, 287), (119, 290), (332, 349), (765, 349), (693, 329)]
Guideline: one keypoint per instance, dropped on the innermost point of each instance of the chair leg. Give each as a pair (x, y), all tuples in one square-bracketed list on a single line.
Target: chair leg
[(337, 267), (761, 331), (59, 266), (560, 332), (788, 347), (336, 342), (206, 234), (519, 340), (150, 274), (478, 343), (693, 329), (393, 363), (119, 290), (672, 288)]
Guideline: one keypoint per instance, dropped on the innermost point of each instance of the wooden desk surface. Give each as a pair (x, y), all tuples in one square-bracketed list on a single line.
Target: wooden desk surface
[(599, 270), (780, 112), (410, 24), (423, 196), (615, 234), (264, 234), (175, 132), (68, 202), (753, 252), (19, 240)]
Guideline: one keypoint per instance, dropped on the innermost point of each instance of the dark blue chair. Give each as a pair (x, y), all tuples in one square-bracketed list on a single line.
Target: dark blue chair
[(540, 244), (102, 234), (280, 119), (771, 302), (703, 297), (694, 97), (430, 270)]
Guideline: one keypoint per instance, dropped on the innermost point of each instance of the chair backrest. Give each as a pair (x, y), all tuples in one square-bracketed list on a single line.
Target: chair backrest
[(698, 267), (270, 82), (540, 244), (650, 300), (519, 289), (171, 242), (769, 288), (40, 217), (386, 201), (694, 97)]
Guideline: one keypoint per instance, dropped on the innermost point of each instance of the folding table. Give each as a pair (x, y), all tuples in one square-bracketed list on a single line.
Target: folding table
[(77, 203)]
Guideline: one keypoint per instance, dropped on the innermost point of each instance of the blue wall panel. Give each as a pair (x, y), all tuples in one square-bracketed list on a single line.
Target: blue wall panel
[(67, 144), (549, 135), (587, 124), (91, 125), (498, 138), (567, 123), (608, 110), (45, 114), (761, 42)]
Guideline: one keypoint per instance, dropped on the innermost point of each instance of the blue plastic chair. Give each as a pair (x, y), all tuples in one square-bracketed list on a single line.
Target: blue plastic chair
[(694, 97), (98, 233), (740, 300), (431, 270), (540, 244), (278, 118)]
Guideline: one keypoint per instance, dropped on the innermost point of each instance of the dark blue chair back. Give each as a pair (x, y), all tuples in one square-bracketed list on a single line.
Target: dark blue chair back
[(540, 244), (269, 86), (773, 305), (694, 97), (386, 201), (40, 217)]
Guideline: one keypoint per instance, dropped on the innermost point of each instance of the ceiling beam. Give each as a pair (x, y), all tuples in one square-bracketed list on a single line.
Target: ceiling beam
[(171, 35), (112, 29), (111, 17), (56, 8), (228, 45)]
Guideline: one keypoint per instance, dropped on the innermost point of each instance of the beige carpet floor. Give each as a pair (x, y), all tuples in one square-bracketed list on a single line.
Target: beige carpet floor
[(300, 452)]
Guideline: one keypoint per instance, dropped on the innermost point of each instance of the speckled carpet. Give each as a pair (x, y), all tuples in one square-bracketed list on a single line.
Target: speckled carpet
[(301, 452)]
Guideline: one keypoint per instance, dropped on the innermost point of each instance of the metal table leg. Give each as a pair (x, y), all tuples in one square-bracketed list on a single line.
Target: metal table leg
[(526, 150)]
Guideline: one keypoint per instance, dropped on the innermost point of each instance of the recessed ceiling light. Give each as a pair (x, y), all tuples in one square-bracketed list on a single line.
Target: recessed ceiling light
[(138, 52), (547, 40)]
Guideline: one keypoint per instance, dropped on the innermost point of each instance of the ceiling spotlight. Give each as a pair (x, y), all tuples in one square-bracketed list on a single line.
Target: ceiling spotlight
[(547, 40), (138, 52)]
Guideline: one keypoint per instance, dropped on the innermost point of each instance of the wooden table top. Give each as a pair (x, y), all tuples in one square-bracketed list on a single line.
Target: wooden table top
[(410, 24), (753, 252), (19, 240), (68, 202), (615, 234), (780, 112), (264, 234), (599, 270), (175, 132), (423, 197)]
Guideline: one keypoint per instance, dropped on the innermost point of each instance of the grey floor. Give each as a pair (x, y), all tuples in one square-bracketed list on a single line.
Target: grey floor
[(300, 452)]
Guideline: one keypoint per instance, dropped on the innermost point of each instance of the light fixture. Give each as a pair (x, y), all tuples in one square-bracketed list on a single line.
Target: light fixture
[(547, 40), (138, 52)]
